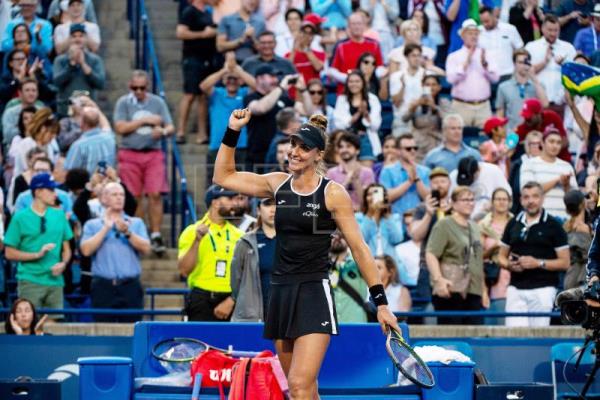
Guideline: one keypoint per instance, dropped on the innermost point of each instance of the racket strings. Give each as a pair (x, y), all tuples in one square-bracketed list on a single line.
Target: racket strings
[(410, 364)]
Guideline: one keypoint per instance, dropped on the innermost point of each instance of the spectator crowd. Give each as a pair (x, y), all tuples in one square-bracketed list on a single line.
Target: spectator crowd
[(473, 173)]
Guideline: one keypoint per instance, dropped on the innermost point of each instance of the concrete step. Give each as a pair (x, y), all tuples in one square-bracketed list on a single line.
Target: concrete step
[(170, 254), (161, 275), (160, 284), (165, 301)]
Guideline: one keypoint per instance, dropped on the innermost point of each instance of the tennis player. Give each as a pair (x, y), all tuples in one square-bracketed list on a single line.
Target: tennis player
[(309, 208)]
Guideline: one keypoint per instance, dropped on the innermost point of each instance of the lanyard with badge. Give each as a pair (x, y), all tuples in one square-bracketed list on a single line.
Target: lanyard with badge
[(220, 264)]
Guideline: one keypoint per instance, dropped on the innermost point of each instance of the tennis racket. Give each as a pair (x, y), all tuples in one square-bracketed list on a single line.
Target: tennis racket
[(185, 350), (407, 361)]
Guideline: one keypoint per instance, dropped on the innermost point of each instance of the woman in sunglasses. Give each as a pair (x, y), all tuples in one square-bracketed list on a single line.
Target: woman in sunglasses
[(377, 86), (318, 97)]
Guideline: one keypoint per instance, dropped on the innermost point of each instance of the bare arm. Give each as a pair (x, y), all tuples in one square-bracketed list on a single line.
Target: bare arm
[(314, 61), (14, 254), (262, 106), (419, 228), (224, 45), (66, 252), (188, 261), (247, 78), (127, 127), (139, 243), (208, 84), (453, 10), (183, 32), (91, 245)]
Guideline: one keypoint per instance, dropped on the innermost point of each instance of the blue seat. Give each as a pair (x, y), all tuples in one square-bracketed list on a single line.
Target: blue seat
[(561, 355)]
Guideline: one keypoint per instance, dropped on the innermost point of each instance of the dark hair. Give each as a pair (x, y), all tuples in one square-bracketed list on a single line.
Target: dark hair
[(349, 137), (266, 33), (583, 56), (498, 190), (409, 48), (425, 26), (404, 136), (283, 140), (392, 138), (293, 10), (77, 178), (21, 124), (26, 30), (46, 160), (485, 9), (316, 81), (15, 51), (520, 52), (391, 267), (27, 80), (365, 90), (364, 206), (284, 118), (532, 185), (551, 19), (363, 56), (8, 326)]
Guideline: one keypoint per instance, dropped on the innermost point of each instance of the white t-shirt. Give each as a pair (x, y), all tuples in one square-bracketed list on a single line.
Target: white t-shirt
[(393, 293), (499, 44), (409, 254), (537, 170), (435, 25), (397, 55), (61, 32), (550, 76), (413, 90)]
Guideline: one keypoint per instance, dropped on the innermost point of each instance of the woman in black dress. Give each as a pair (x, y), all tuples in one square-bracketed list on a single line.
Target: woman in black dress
[(301, 314)]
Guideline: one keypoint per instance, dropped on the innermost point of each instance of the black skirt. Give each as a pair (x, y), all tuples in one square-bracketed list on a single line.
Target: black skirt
[(298, 309)]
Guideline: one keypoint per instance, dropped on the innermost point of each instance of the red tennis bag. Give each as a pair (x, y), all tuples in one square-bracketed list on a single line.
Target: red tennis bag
[(216, 369), (258, 378)]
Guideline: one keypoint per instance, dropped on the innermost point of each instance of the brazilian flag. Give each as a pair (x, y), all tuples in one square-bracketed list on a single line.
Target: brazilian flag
[(583, 80)]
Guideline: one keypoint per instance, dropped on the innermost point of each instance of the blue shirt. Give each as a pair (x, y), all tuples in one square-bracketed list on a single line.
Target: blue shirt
[(336, 11), (92, 147), (463, 14), (394, 175), (25, 200), (443, 157), (46, 44), (220, 106), (115, 258), (233, 26), (587, 41)]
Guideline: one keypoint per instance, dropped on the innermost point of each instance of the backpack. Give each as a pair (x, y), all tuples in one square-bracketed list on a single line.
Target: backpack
[(258, 378)]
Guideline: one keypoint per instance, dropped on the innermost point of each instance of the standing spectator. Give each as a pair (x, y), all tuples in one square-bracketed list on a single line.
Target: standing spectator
[(536, 118), (457, 12), (359, 111), (197, 31), (222, 100), (40, 28), (408, 254), (335, 13), (281, 153), (434, 24), (452, 149), (20, 65), (554, 175), (28, 97), (384, 14), (221, 8), (20, 183), (533, 148), (573, 15), (265, 43), (379, 86), (115, 242), (90, 13), (350, 173), (527, 16), (318, 97), (275, 12), (287, 36), (23, 319), (206, 249), (455, 261), (579, 234), (524, 84), (288, 123), (389, 151), (348, 51), (495, 150), (238, 31), (142, 119), (78, 69), (406, 181), (500, 40), (471, 73), (76, 16), (38, 238), (43, 130), (94, 146), (252, 265), (534, 249), (70, 127), (398, 295), (411, 34), (307, 60), (586, 40), (547, 55)]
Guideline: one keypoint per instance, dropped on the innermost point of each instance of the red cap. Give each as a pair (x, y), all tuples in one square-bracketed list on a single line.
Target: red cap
[(550, 130), (314, 19), (492, 123), (530, 108)]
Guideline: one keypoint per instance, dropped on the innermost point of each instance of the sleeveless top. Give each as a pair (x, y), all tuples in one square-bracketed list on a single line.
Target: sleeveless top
[(304, 227)]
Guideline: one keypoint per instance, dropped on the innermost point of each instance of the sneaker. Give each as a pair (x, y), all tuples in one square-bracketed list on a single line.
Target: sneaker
[(157, 245)]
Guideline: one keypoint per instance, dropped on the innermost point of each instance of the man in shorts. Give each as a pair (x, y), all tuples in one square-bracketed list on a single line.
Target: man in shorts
[(142, 119)]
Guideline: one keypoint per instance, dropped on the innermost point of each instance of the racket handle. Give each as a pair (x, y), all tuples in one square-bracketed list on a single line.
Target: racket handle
[(197, 385)]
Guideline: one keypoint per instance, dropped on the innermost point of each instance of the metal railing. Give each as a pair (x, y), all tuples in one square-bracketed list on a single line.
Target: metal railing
[(180, 201)]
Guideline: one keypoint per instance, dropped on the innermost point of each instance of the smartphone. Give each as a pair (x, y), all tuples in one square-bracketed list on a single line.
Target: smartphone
[(426, 91), (436, 195), (377, 195), (102, 167), (293, 81)]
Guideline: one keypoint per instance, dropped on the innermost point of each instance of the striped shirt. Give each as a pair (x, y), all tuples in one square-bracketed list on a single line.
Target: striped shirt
[(92, 147)]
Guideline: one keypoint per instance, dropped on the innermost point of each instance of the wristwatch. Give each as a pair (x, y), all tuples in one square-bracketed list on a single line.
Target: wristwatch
[(543, 264), (127, 234)]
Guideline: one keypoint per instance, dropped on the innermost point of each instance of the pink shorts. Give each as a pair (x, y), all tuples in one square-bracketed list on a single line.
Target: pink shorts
[(143, 172)]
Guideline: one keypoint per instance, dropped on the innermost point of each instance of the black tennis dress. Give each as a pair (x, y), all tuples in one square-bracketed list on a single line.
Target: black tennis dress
[(301, 299)]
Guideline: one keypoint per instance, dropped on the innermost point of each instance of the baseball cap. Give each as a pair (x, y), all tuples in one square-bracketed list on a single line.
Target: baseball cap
[(214, 192), (438, 171), (310, 24), (467, 24), (267, 201), (265, 69), (492, 123), (42, 181), (311, 136), (314, 19), (467, 167), (530, 108), (596, 12), (550, 130), (77, 28)]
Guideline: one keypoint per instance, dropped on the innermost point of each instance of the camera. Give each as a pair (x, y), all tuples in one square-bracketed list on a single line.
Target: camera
[(578, 312)]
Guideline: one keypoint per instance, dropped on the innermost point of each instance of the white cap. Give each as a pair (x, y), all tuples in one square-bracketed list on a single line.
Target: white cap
[(469, 23)]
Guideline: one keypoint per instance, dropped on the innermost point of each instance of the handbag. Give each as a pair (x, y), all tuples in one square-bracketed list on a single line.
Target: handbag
[(491, 271), (457, 274)]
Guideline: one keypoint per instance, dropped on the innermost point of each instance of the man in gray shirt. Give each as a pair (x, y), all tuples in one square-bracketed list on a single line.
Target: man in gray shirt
[(266, 55), (142, 119), (28, 96)]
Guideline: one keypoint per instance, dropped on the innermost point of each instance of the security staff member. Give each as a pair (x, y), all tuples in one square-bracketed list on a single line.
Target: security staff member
[(205, 253)]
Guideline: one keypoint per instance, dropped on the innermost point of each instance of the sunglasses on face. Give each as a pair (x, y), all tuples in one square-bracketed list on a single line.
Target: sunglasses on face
[(313, 92), (411, 148), (138, 88), (19, 59), (368, 62)]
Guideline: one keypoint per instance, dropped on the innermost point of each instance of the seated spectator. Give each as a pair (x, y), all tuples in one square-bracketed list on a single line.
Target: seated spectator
[(425, 114), (17, 69), (527, 16), (38, 239), (452, 148), (579, 235), (76, 15), (95, 147), (348, 51), (350, 173), (555, 176), (494, 150), (547, 55), (410, 34), (70, 126), (266, 55), (239, 31), (471, 72), (143, 119), (379, 225), (398, 296), (252, 265), (378, 86), (25, 118), (288, 123), (28, 97), (457, 12), (90, 14), (455, 261), (533, 148), (23, 319), (35, 57), (115, 243), (282, 147), (432, 19), (359, 112), (524, 84), (287, 36), (275, 12), (389, 150), (408, 254), (41, 30), (406, 181), (77, 69), (222, 100), (20, 183), (586, 40), (307, 60), (42, 130)]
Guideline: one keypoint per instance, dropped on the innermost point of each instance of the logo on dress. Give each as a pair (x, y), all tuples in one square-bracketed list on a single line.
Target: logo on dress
[(325, 323), (280, 201), (313, 210)]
